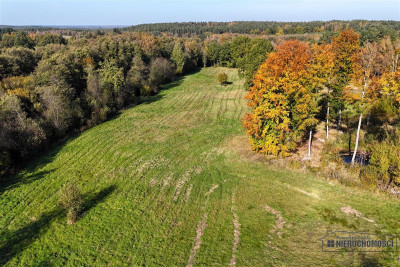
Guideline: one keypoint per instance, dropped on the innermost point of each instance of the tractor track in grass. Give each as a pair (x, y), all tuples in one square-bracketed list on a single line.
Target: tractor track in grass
[(220, 108), (197, 240), (277, 228), (210, 109), (236, 232), (176, 217), (206, 107), (201, 226), (236, 103), (182, 106)]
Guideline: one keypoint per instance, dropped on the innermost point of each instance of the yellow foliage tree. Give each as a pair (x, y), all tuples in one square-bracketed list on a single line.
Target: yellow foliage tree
[(282, 100)]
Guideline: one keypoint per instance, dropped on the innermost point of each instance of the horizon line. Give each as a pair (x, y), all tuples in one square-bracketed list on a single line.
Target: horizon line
[(172, 22)]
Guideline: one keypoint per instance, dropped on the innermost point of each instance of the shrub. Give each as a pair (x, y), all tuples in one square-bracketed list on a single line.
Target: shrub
[(222, 78), (368, 178), (71, 200), (161, 71), (384, 168)]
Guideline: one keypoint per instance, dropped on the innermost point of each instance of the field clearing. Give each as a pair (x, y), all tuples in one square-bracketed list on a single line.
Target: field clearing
[(170, 182)]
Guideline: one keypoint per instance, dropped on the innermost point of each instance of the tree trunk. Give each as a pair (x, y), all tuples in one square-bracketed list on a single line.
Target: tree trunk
[(357, 138), (327, 123), (309, 144), (359, 126), (340, 119)]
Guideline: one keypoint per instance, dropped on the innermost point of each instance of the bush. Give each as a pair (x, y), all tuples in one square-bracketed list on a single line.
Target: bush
[(161, 71), (222, 78), (71, 200), (384, 167)]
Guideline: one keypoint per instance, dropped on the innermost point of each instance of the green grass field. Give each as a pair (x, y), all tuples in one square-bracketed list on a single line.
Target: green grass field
[(171, 182)]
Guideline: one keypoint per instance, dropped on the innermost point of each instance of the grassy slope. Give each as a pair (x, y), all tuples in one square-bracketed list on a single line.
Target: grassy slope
[(145, 176)]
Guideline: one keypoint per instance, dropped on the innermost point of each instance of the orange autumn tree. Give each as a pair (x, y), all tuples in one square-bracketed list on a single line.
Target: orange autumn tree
[(283, 103)]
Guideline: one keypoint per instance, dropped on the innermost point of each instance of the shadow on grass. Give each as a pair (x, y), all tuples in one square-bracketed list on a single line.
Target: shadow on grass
[(92, 200), (21, 179), (369, 260), (158, 96), (331, 217), (29, 170), (13, 243), (227, 83)]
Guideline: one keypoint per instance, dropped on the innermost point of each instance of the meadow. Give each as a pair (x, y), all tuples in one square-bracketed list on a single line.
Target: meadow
[(172, 182)]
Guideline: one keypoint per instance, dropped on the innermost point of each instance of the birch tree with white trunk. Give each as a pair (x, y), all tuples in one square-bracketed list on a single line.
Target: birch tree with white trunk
[(363, 79), (309, 144)]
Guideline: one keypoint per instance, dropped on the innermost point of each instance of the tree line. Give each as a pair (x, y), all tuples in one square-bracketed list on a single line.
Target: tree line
[(369, 30)]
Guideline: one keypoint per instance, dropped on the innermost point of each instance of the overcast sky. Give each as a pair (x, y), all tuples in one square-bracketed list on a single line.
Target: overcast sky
[(131, 12)]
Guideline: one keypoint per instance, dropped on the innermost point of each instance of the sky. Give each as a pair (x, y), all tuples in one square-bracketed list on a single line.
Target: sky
[(132, 12)]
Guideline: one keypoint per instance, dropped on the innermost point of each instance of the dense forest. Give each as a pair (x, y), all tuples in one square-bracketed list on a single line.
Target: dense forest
[(54, 83), (369, 30)]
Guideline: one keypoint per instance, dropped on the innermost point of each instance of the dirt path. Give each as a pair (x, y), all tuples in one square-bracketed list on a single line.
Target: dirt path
[(277, 228), (280, 222), (349, 210), (187, 194), (317, 145), (211, 190), (184, 179)]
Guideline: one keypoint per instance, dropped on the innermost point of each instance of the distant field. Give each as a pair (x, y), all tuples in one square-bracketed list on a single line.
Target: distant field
[(171, 182)]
